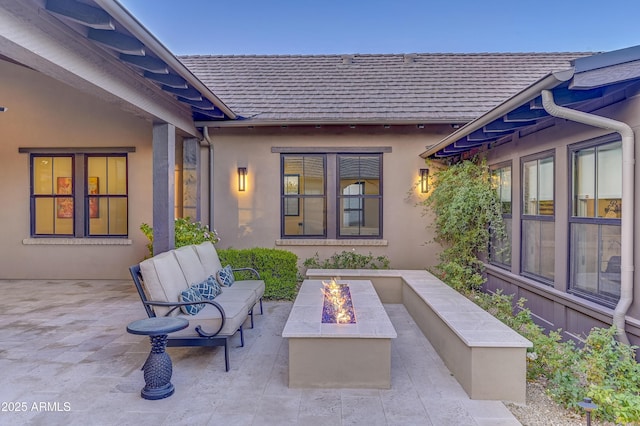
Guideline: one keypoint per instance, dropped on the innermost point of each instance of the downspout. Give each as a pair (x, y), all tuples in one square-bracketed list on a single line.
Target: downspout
[(626, 228), (205, 133)]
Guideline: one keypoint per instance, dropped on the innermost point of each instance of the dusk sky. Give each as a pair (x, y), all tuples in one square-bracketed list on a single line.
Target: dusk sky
[(399, 26)]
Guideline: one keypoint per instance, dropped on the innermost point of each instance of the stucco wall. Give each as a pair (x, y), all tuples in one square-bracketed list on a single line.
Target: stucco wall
[(45, 113), (252, 218), (553, 307)]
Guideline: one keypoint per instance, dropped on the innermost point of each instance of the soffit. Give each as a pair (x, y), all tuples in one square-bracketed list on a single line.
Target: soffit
[(590, 84), (106, 37)]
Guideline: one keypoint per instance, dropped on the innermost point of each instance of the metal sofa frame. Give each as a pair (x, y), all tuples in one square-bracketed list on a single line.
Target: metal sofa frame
[(204, 338)]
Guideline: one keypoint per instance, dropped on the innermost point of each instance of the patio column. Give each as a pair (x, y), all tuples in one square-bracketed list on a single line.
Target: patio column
[(191, 179), (164, 160)]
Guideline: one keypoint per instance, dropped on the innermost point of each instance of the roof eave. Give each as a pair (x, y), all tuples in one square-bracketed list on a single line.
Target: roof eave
[(326, 122), (547, 82), (135, 27)]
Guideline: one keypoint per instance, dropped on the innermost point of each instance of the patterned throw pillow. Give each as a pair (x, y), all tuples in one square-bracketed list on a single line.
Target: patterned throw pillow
[(215, 284), (225, 276), (192, 294), (209, 288)]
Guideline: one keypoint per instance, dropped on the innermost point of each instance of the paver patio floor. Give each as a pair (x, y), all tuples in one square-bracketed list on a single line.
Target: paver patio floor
[(66, 358)]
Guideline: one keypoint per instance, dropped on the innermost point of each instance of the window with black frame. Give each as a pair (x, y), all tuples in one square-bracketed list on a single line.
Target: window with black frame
[(594, 224), (537, 251), (331, 195), (86, 201), (359, 195), (304, 195), (500, 246)]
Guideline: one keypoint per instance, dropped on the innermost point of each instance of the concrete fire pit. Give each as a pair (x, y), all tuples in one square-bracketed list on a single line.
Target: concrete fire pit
[(353, 355)]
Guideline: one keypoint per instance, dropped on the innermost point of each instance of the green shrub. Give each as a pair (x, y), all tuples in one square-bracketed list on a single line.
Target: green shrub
[(278, 269), (348, 260), (187, 232), (612, 376), (603, 369)]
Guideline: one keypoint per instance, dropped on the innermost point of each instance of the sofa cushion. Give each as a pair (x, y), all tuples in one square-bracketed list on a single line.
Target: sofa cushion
[(192, 294), (237, 295), (255, 285), (164, 280), (209, 288), (225, 276), (209, 319), (191, 265), (209, 257)]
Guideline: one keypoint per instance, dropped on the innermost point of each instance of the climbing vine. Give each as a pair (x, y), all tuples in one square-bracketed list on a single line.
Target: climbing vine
[(467, 215)]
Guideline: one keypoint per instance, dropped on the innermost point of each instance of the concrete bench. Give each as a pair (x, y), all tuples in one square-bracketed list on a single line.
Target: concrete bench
[(486, 356)]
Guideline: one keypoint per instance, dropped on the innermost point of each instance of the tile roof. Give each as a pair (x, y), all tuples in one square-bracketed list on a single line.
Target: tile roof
[(384, 88)]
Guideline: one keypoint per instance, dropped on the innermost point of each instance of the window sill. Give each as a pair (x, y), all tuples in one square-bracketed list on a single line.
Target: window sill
[(330, 242), (561, 297), (77, 241)]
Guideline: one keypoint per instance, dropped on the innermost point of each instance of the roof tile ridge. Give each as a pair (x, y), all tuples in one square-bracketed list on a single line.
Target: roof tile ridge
[(388, 55), (500, 53)]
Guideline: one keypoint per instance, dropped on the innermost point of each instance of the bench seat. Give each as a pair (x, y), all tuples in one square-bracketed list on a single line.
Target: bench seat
[(486, 356)]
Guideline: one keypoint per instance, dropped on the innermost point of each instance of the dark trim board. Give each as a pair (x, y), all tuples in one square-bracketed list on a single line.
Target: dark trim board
[(553, 309), (329, 149)]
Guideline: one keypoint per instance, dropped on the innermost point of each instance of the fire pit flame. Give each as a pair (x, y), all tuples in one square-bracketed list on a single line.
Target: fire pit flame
[(337, 307)]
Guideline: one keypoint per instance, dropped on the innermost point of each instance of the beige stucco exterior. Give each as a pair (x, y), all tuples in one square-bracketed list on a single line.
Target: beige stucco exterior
[(252, 218), (45, 113), (42, 112)]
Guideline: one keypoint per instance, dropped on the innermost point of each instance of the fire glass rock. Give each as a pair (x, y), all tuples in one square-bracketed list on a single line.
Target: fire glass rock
[(337, 307)]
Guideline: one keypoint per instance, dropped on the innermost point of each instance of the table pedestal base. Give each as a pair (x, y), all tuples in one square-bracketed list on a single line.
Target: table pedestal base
[(157, 370)]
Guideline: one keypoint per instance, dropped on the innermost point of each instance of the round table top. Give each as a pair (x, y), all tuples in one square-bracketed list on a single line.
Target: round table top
[(157, 326)]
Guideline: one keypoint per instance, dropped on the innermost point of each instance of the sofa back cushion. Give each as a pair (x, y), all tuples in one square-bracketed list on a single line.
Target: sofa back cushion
[(191, 265), (209, 258), (163, 279)]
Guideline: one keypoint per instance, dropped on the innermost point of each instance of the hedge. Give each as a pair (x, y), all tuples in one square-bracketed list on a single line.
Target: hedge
[(278, 269)]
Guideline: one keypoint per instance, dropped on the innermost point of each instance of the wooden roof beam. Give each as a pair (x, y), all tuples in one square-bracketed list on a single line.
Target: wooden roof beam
[(81, 13), (117, 41)]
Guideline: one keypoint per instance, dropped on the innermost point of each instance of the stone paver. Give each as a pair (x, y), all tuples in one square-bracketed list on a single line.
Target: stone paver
[(66, 358)]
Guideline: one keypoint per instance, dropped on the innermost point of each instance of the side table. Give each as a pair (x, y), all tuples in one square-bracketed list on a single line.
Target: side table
[(157, 368)]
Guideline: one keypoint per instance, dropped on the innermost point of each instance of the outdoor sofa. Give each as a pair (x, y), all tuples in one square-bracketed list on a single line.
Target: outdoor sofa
[(164, 284)]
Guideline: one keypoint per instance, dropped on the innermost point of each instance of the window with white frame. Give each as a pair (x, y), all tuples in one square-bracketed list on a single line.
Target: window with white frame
[(594, 224), (79, 195), (500, 247), (537, 218), (331, 195)]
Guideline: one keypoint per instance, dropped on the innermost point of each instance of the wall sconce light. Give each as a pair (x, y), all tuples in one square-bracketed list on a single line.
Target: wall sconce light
[(242, 178), (424, 181)]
